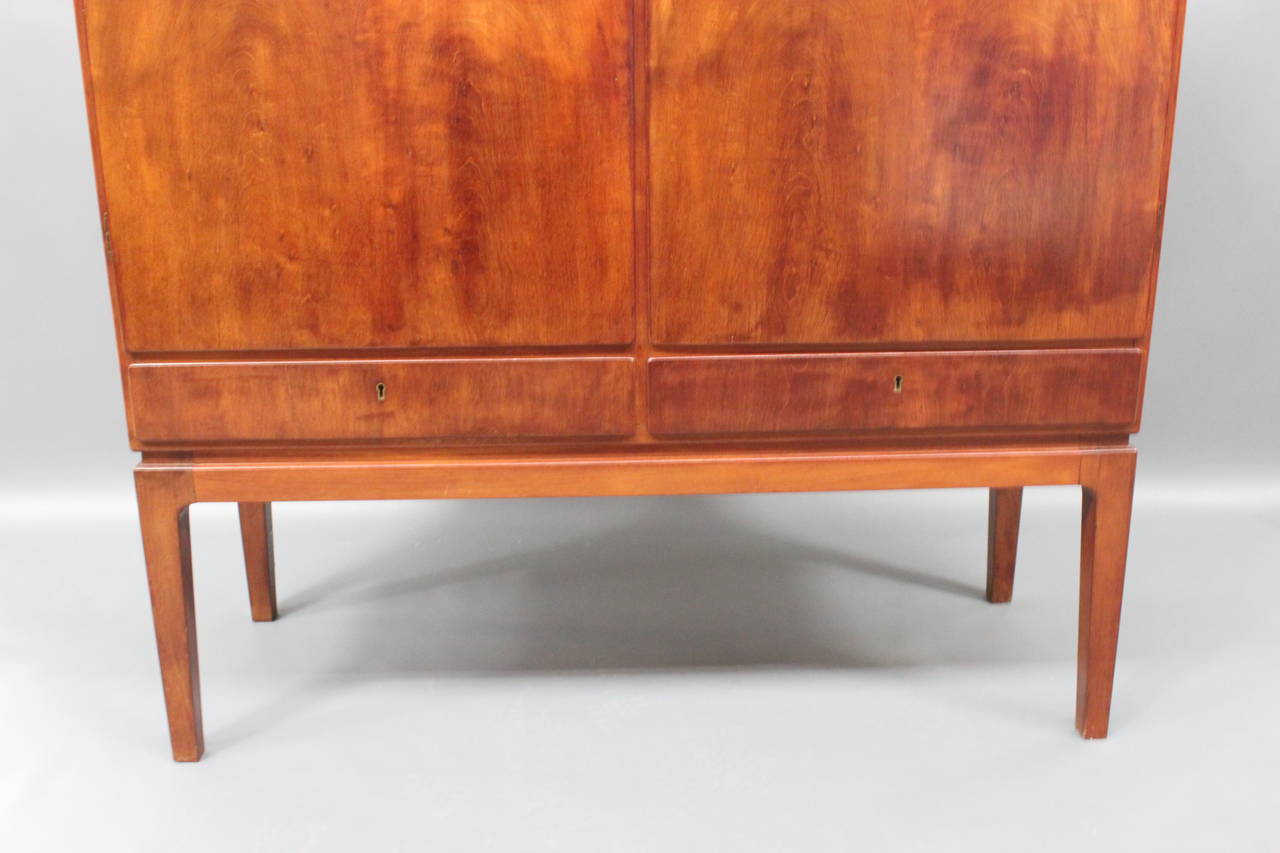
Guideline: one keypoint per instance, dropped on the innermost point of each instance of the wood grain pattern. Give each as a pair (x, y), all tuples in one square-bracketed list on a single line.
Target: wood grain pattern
[(423, 398), (259, 560), (1004, 516), (163, 500), (1107, 482), (890, 171), (419, 475), (709, 395), (365, 173), (688, 247)]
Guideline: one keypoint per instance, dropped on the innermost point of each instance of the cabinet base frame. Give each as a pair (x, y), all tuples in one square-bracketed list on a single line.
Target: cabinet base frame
[(167, 487)]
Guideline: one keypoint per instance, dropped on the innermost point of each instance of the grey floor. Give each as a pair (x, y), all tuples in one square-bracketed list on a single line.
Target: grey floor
[(788, 672)]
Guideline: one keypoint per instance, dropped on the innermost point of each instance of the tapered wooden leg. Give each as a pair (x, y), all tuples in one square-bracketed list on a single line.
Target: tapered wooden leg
[(1003, 516), (259, 560), (1107, 480), (163, 498)]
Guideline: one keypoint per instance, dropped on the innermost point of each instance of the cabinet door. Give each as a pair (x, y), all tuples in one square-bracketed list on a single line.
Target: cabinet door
[(365, 173), (877, 171)]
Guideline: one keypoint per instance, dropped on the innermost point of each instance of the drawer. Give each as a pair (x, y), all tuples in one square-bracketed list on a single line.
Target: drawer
[(1033, 389), (339, 400)]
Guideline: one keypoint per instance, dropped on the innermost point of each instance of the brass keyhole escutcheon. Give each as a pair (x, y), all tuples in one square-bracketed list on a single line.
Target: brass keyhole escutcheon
[(897, 384), (381, 390)]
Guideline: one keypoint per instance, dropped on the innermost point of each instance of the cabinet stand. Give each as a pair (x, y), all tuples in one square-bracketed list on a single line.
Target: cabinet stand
[(168, 486)]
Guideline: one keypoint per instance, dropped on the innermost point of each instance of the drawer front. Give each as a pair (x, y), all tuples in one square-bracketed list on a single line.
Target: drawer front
[(420, 399), (724, 395)]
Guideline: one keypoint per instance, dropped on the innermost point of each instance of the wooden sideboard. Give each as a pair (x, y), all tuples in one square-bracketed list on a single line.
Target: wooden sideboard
[(398, 249)]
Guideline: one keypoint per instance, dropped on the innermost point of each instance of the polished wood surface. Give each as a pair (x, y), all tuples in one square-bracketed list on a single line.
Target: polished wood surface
[(163, 500), (890, 171), (381, 399), (533, 474), (365, 173), (259, 560), (966, 177), (1004, 516), (898, 391), (404, 249), (1107, 482)]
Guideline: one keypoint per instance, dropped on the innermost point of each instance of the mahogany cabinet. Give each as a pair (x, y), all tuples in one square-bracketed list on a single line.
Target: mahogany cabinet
[(479, 248)]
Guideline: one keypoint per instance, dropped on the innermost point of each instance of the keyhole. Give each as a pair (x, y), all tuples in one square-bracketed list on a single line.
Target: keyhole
[(381, 388), (897, 384)]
